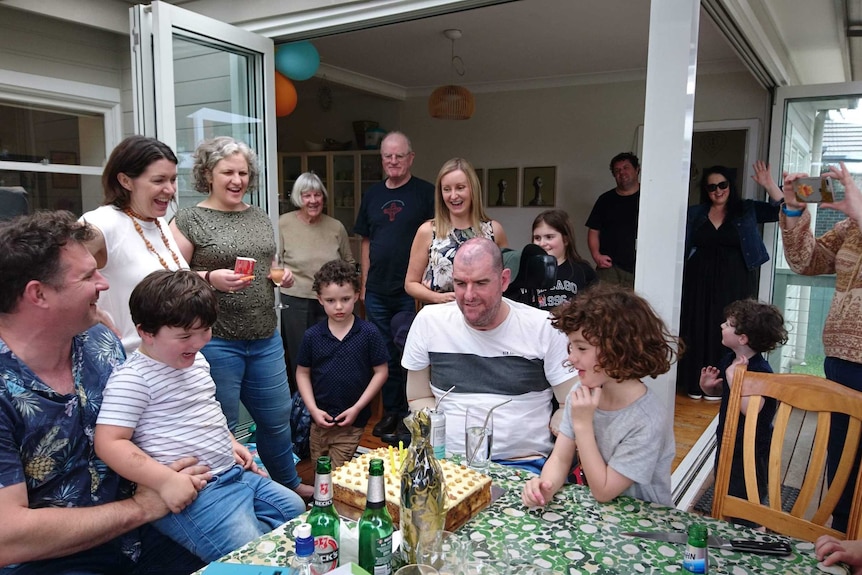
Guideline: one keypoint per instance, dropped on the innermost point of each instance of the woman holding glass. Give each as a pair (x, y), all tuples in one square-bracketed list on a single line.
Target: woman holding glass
[(308, 239), (245, 354), (458, 216)]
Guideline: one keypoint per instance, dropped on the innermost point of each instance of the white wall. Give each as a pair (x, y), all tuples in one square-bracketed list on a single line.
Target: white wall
[(578, 129)]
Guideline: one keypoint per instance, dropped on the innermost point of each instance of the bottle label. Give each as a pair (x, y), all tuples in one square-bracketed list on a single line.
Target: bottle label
[(438, 434), (383, 556), (322, 490), (326, 550), (695, 560), (376, 489)]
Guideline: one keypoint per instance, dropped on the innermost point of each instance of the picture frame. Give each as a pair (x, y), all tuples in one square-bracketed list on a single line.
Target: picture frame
[(539, 187), (502, 188), (64, 181)]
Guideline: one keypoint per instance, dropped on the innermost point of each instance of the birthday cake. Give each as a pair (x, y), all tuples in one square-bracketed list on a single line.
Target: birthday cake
[(467, 491)]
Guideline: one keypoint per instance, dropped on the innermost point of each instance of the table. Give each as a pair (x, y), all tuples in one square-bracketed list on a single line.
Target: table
[(575, 534)]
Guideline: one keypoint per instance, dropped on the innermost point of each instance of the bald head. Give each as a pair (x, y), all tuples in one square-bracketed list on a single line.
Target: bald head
[(480, 281), (479, 251)]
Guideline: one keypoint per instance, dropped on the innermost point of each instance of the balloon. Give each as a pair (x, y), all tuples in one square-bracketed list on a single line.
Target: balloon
[(285, 96), (297, 60)]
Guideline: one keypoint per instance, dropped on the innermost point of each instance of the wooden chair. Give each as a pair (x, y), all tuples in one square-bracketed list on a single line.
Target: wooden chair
[(808, 393)]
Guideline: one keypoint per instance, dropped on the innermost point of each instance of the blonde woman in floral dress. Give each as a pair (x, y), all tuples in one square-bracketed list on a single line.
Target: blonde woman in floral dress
[(459, 216)]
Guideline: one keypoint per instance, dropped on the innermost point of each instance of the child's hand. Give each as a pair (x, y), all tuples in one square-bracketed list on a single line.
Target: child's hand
[(537, 492), (710, 383), (731, 369), (243, 457), (178, 492), (321, 417), (584, 402), (347, 417)]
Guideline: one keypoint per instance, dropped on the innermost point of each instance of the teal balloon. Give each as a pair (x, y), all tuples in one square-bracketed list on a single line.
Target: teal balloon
[(297, 60)]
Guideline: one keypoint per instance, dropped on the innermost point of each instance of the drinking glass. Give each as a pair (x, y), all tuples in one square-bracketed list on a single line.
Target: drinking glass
[(416, 570), (479, 437), (444, 551), (276, 273)]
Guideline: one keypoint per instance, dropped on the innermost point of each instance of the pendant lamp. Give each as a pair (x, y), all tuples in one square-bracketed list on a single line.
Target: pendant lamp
[(452, 102)]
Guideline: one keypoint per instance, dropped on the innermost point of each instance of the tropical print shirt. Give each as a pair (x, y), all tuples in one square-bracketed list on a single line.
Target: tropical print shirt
[(441, 255), (46, 439)]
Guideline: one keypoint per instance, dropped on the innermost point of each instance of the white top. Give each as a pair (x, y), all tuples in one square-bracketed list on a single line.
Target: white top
[(521, 359), (174, 412), (129, 261)]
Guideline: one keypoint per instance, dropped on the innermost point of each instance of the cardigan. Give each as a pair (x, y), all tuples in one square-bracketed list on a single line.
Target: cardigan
[(753, 213)]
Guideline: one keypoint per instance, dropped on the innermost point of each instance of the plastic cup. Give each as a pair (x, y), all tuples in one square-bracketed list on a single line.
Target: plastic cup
[(478, 438)]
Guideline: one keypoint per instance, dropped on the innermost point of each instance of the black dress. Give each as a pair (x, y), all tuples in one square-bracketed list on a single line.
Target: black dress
[(714, 276)]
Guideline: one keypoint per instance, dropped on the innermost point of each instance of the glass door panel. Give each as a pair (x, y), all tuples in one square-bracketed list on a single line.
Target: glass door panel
[(814, 128)]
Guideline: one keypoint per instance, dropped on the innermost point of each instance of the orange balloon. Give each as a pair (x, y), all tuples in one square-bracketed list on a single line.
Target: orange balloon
[(285, 95)]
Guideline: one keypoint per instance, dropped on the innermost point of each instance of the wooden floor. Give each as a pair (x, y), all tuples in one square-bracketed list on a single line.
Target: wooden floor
[(691, 418)]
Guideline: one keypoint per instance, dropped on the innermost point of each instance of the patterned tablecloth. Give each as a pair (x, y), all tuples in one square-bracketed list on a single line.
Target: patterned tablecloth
[(575, 535)]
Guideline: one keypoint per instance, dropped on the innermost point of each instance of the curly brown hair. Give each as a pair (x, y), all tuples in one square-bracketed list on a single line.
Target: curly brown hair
[(337, 272), (760, 322), (631, 339)]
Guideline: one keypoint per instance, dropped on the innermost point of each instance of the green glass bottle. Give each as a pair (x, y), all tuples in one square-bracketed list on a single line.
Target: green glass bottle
[(323, 518), (375, 525), (696, 558)]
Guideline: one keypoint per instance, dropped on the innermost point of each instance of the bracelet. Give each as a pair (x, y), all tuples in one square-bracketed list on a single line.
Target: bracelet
[(207, 278), (791, 212)]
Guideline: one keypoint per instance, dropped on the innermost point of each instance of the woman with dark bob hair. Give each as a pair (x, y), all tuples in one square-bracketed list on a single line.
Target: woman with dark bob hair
[(724, 250), (132, 237), (245, 354)]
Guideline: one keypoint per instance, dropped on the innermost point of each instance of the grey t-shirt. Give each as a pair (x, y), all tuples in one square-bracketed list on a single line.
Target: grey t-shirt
[(637, 441)]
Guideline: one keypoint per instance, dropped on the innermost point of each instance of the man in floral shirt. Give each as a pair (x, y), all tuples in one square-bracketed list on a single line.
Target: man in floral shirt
[(62, 509)]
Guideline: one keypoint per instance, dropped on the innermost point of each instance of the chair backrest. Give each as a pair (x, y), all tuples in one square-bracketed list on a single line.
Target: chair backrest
[(805, 392)]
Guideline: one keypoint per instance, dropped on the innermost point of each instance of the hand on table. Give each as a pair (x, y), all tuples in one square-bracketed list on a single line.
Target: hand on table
[(830, 550), (537, 492)]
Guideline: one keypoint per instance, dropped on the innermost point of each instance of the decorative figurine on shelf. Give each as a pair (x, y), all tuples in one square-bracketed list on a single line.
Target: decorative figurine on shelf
[(423, 493)]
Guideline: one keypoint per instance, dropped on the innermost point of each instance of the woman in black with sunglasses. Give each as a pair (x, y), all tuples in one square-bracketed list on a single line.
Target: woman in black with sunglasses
[(724, 250)]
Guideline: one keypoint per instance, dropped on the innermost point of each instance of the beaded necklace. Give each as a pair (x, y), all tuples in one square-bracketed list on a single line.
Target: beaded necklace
[(135, 217)]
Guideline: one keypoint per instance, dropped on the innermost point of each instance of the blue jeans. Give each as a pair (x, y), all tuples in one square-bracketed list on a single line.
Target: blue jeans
[(236, 507), (849, 374), (380, 309), (253, 371), (159, 556)]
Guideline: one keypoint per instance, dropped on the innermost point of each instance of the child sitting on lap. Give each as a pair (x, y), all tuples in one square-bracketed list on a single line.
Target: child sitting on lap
[(341, 365), (160, 405), (750, 329), (619, 428)]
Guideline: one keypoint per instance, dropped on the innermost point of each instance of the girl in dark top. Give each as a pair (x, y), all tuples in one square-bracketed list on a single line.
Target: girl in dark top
[(724, 250), (552, 230)]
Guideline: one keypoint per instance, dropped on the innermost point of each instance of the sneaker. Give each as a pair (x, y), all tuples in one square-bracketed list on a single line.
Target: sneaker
[(712, 397), (694, 395)]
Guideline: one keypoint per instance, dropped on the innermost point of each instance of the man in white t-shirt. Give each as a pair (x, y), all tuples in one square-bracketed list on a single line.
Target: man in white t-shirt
[(491, 349)]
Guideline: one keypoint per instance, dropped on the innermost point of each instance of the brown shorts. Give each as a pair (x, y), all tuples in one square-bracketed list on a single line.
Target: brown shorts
[(339, 443)]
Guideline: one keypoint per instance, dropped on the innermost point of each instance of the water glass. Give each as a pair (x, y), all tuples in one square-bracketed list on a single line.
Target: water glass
[(444, 551), (479, 437), (416, 570)]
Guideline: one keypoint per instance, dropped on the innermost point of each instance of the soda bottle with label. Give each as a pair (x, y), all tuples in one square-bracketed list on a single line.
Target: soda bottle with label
[(696, 558), (375, 525), (323, 518)]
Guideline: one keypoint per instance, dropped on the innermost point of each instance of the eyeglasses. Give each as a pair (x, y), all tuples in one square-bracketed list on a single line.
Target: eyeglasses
[(395, 157), (719, 186)]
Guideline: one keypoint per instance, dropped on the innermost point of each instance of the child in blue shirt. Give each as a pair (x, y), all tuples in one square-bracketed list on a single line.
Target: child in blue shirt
[(750, 329), (341, 366)]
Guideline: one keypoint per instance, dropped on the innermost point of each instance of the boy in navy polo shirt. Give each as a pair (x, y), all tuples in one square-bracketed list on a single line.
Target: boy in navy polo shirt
[(341, 366)]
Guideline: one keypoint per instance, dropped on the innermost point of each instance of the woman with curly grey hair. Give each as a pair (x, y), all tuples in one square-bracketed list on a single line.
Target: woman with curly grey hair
[(245, 354), (308, 238)]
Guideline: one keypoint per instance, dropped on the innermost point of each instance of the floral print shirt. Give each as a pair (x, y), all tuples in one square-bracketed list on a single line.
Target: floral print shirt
[(441, 255), (46, 439)]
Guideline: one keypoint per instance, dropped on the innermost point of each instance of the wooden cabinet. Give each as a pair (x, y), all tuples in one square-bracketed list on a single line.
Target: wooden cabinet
[(346, 176)]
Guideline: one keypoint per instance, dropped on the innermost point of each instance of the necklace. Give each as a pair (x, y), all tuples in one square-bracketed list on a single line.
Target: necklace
[(135, 217)]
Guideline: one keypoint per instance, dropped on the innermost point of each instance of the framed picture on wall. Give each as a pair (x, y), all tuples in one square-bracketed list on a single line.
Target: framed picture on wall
[(540, 187), (502, 188)]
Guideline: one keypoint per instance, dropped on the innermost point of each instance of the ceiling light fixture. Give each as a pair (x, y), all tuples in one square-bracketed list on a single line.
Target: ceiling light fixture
[(452, 102)]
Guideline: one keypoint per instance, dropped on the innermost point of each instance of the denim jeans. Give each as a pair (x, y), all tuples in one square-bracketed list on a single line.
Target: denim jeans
[(846, 373), (253, 371), (380, 309), (236, 507), (159, 556)]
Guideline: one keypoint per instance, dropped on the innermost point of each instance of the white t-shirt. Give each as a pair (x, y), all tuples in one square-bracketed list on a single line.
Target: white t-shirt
[(174, 412), (521, 359)]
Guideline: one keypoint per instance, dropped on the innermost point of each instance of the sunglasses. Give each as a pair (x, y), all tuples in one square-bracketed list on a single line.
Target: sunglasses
[(719, 186)]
